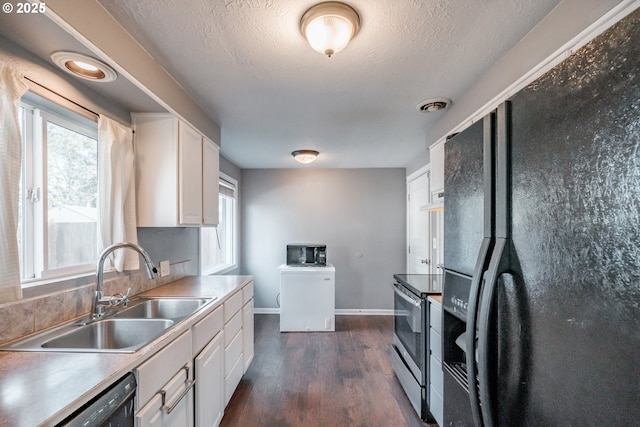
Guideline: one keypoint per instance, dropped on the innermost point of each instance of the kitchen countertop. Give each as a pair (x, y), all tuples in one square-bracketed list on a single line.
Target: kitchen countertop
[(436, 298), (42, 388)]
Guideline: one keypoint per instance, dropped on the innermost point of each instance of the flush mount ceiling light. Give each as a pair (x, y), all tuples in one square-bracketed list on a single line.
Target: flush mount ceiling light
[(329, 26), (84, 66), (305, 156), (433, 104)]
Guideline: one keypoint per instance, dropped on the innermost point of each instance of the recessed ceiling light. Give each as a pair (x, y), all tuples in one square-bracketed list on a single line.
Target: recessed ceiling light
[(433, 104), (305, 156), (84, 66)]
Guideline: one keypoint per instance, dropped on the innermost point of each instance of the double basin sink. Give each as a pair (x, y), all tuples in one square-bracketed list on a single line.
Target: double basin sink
[(124, 330)]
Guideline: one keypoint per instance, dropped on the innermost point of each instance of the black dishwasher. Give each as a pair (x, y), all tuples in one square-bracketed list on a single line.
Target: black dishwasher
[(111, 408)]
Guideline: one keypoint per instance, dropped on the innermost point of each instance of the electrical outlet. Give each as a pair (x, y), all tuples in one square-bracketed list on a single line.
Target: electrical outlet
[(165, 268)]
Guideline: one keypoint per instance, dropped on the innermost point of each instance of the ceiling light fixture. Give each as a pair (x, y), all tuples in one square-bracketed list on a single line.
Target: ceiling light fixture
[(433, 104), (329, 26), (305, 156), (84, 66)]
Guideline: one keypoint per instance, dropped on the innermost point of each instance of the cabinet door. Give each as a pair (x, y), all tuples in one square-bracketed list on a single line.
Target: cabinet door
[(436, 162), (156, 151), (190, 174), (210, 185), (247, 334), (209, 399)]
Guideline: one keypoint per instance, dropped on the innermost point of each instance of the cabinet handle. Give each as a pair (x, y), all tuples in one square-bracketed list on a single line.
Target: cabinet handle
[(425, 261), (163, 394)]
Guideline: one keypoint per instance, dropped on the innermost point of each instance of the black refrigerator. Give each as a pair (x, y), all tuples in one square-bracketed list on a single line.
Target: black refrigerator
[(541, 319)]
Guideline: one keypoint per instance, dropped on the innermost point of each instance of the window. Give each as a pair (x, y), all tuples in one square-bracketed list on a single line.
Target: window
[(218, 244), (57, 227)]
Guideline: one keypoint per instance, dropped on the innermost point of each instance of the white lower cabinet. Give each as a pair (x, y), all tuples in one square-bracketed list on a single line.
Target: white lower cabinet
[(208, 351), (209, 368), (190, 381), (172, 407), (247, 334), (164, 396), (247, 325), (233, 343), (233, 363)]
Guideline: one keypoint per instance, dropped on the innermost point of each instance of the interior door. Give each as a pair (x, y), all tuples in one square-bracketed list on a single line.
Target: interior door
[(418, 260), (436, 241)]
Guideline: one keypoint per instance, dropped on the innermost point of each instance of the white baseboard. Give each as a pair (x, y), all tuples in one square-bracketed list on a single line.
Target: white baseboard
[(339, 312), (266, 310), (364, 311)]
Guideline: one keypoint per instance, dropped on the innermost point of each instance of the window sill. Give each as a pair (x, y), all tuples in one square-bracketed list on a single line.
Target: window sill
[(38, 287), (219, 270)]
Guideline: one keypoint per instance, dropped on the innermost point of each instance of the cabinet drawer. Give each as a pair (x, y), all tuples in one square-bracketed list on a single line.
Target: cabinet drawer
[(247, 334), (232, 353), (435, 374), (153, 374), (436, 405), (232, 328), (178, 396), (435, 344), (435, 317), (206, 329), (232, 306), (232, 380), (247, 292)]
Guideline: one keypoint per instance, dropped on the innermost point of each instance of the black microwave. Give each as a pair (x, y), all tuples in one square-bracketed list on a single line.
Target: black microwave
[(311, 254)]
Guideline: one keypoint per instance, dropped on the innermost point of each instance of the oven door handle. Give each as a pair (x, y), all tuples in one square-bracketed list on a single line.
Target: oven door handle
[(412, 301)]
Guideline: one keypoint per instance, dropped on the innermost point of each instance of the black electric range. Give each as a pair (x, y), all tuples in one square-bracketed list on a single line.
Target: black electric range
[(410, 352), (422, 285)]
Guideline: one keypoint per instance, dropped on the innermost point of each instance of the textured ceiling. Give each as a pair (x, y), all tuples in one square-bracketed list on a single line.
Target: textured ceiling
[(246, 63)]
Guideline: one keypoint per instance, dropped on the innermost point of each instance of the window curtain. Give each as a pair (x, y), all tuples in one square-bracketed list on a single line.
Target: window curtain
[(116, 192), (12, 86)]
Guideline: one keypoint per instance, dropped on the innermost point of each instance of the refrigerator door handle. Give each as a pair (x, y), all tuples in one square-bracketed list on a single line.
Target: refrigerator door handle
[(472, 313), (498, 264)]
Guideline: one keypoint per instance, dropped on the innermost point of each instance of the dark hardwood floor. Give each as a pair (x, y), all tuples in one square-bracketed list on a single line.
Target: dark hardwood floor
[(341, 378)]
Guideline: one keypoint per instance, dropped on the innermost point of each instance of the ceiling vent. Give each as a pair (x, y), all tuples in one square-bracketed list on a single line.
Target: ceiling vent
[(433, 104)]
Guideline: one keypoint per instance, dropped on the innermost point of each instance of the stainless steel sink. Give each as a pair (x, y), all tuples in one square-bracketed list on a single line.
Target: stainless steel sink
[(111, 334), (162, 308), (123, 330)]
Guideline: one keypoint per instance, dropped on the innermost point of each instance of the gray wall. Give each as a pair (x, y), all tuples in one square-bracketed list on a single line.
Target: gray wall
[(417, 162), (174, 244), (358, 213)]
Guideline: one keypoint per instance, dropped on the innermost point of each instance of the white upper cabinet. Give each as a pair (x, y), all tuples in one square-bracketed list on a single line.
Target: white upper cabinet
[(436, 162), (189, 175), (176, 173)]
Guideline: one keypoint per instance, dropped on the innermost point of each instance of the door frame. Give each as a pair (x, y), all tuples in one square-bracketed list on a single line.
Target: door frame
[(426, 169)]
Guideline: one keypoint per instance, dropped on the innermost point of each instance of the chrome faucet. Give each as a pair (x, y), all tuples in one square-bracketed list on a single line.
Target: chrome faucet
[(100, 301)]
